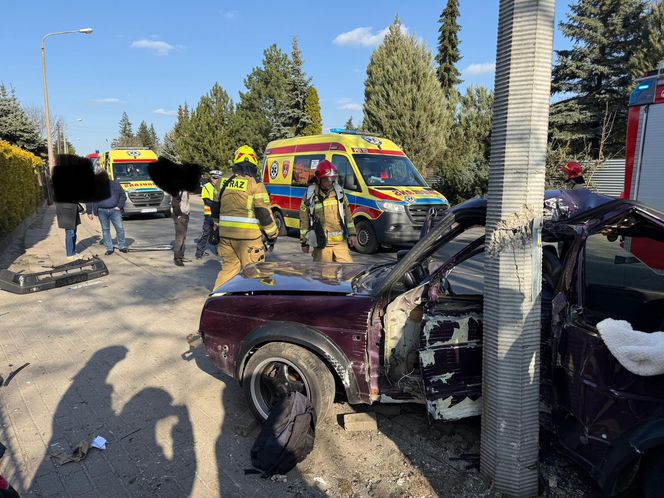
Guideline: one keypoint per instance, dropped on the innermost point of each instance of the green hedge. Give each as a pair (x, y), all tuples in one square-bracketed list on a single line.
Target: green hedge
[(20, 192)]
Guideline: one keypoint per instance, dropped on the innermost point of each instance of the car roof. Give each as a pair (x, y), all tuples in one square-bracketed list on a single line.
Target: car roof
[(566, 207)]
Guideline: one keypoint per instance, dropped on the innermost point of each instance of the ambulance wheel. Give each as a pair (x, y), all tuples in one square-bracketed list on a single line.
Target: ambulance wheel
[(279, 368), (281, 224), (367, 242)]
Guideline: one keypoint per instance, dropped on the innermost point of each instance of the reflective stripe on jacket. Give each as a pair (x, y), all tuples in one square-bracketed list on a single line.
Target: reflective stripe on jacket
[(207, 193), (328, 210), (244, 209)]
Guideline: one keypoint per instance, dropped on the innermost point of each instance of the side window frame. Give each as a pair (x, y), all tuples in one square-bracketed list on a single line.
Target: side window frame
[(349, 169), (309, 157)]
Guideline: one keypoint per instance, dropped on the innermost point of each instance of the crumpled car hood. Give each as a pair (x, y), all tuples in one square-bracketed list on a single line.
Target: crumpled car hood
[(276, 277)]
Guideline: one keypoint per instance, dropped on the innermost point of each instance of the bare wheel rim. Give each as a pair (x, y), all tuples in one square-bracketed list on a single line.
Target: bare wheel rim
[(363, 237), (273, 378)]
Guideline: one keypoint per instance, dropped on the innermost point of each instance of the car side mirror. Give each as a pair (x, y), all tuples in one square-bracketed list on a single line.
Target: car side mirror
[(401, 253)]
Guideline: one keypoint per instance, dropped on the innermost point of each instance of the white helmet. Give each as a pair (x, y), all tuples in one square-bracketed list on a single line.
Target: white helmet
[(215, 173)]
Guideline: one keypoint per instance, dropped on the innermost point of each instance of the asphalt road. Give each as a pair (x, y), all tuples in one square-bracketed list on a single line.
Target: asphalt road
[(154, 230)]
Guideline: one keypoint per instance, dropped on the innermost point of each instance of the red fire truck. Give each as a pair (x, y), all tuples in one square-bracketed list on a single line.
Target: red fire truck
[(644, 163)]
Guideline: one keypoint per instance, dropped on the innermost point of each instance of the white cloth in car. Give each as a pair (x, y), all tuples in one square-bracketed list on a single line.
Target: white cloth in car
[(642, 353)]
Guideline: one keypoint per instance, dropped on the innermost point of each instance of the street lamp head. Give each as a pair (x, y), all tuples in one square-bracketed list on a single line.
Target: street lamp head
[(85, 31)]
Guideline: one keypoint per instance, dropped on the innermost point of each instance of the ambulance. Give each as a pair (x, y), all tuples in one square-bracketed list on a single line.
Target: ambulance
[(388, 197), (129, 166)]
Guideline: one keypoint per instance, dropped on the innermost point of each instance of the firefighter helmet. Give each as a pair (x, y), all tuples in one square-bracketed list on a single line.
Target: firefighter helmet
[(215, 173), (245, 153), (572, 170), (326, 169)]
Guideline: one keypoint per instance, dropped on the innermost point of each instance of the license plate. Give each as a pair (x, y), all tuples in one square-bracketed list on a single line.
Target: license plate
[(149, 210)]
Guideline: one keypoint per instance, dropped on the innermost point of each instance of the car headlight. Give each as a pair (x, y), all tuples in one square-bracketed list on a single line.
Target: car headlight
[(392, 207)]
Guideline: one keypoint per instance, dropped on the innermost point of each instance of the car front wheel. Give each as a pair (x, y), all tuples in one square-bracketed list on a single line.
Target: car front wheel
[(279, 368)]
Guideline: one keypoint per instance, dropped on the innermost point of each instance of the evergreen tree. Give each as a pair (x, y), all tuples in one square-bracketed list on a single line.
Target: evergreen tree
[(143, 136), (259, 106), (293, 119), (126, 137), (168, 149), (15, 125), (349, 124), (465, 164), (403, 100), (312, 107), (205, 140), (154, 138), (594, 74), (652, 53), (448, 48), (179, 132)]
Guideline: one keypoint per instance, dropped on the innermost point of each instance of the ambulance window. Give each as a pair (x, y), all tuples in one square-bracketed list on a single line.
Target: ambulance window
[(346, 175), (304, 168)]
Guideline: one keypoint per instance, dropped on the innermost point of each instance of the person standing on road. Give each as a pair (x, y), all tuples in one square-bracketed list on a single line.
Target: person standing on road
[(244, 216), (209, 206), (68, 217), (326, 223), (180, 208), (109, 211)]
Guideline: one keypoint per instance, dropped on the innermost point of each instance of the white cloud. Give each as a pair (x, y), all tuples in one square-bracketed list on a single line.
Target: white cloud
[(363, 37), (163, 112), (229, 14), (155, 46), (347, 104), (108, 100), (477, 69)]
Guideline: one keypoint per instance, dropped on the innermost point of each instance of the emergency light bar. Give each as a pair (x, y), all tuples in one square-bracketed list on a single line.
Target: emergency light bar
[(354, 132)]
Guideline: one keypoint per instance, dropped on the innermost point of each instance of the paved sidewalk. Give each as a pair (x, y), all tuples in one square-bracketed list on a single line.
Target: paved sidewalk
[(105, 358)]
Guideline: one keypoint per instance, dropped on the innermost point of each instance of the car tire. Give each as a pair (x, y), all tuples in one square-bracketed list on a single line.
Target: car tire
[(281, 224), (367, 242), (305, 372), (652, 472)]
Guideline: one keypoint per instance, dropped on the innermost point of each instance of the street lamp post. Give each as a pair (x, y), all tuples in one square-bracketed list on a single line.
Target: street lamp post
[(49, 138)]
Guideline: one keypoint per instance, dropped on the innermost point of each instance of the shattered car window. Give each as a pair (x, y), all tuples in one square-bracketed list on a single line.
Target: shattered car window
[(624, 278)]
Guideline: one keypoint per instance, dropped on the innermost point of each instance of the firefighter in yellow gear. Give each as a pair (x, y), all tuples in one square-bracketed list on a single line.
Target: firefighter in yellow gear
[(244, 216), (207, 196), (326, 223)]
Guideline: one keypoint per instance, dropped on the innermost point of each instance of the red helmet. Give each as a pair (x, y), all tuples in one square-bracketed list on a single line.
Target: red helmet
[(326, 169), (572, 170)]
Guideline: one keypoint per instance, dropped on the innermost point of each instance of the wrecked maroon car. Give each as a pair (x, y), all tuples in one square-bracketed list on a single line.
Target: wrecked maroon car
[(411, 330)]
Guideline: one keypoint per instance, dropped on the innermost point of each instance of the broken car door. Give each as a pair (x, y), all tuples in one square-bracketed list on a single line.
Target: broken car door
[(450, 337), (618, 277)]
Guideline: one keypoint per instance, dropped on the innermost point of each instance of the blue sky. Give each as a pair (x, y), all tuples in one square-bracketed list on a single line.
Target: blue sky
[(147, 57)]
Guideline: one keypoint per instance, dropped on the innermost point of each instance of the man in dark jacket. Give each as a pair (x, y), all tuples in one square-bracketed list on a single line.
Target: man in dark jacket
[(69, 219), (110, 211)]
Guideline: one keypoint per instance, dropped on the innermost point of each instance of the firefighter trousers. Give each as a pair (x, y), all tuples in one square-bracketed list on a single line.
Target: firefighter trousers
[(235, 254), (338, 253)]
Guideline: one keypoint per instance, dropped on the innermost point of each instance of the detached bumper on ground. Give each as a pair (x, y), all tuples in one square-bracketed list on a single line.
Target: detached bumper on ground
[(72, 273)]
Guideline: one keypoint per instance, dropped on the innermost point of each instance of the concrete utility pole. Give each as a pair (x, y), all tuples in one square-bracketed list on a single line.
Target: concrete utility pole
[(513, 268)]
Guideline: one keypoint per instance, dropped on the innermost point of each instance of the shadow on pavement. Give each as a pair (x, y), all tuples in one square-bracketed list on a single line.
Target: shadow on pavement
[(236, 437), (150, 447), (36, 232)]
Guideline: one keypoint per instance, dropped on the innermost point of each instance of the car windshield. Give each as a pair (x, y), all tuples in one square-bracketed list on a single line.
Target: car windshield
[(366, 280), (131, 172), (388, 171)]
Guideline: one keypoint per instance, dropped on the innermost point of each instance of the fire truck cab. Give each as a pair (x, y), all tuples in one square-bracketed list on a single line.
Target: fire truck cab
[(644, 158)]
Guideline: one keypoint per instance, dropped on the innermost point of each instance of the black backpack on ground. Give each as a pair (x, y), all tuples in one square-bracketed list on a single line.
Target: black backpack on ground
[(287, 436)]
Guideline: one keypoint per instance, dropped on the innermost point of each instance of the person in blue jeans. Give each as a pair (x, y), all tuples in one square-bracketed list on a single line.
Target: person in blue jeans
[(110, 211), (68, 218)]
